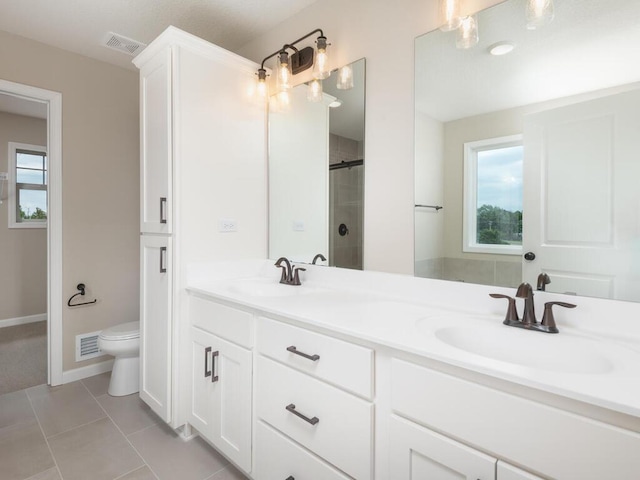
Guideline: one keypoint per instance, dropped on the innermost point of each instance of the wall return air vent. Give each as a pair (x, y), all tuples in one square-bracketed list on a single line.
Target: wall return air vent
[(123, 44), (87, 346)]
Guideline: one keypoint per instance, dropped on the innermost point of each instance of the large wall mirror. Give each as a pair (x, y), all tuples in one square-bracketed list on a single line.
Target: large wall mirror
[(316, 172), (533, 154)]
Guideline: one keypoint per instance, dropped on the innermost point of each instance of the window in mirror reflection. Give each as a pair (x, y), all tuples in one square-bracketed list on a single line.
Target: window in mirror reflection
[(493, 195)]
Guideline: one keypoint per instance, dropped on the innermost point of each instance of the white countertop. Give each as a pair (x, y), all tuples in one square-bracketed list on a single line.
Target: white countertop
[(453, 323)]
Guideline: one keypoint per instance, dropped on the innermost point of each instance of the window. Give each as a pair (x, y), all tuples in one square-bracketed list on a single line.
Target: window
[(493, 196), (27, 186)]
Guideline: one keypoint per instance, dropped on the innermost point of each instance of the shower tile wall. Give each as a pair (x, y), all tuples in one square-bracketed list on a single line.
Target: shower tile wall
[(346, 200)]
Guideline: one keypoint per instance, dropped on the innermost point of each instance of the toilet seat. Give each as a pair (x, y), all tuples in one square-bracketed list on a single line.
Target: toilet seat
[(123, 331)]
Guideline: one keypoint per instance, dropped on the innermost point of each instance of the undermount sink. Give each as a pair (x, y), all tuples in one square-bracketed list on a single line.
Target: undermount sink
[(266, 287), (564, 353)]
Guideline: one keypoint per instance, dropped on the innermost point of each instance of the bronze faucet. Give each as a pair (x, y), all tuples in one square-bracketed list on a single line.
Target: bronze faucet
[(529, 316), (290, 273), (548, 324), (320, 257), (543, 281)]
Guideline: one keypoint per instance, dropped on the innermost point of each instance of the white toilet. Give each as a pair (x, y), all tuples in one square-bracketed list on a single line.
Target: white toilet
[(123, 342)]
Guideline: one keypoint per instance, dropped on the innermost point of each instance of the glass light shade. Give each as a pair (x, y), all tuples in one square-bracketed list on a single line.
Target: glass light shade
[(283, 75), (467, 33), (314, 91), (321, 65), (449, 15), (345, 78), (539, 13)]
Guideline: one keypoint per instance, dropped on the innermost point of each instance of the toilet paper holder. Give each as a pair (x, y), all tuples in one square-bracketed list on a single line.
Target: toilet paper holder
[(81, 291)]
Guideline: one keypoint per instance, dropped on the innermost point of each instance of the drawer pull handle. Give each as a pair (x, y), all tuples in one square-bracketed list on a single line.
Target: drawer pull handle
[(163, 207), (214, 377), (293, 349), (292, 408), (163, 259), (207, 372)]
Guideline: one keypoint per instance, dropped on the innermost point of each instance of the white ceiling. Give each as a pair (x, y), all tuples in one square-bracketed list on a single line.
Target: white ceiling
[(590, 45), (82, 26)]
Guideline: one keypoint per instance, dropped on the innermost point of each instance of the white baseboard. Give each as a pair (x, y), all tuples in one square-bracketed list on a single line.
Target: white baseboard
[(69, 376), (10, 322)]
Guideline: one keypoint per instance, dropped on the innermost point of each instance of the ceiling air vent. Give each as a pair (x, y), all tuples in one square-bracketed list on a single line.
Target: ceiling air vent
[(123, 44)]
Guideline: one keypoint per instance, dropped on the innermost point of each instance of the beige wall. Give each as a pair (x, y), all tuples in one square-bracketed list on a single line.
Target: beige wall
[(23, 251), (100, 190), (384, 33)]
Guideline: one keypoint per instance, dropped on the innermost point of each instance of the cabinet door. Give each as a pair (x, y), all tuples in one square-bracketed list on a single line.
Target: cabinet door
[(232, 402), (417, 453), (155, 324), (156, 145), (509, 472), (203, 346)]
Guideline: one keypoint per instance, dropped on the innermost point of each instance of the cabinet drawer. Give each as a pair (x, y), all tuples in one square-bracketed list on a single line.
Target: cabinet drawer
[(341, 363), (226, 322), (343, 432), (277, 457), (554, 442)]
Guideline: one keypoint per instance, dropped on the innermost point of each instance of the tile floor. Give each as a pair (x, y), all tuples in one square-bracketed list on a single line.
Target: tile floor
[(78, 432)]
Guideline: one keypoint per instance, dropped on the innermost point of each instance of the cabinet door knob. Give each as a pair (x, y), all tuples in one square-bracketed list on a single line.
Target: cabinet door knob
[(293, 349), (290, 477), (214, 377), (207, 372), (292, 408)]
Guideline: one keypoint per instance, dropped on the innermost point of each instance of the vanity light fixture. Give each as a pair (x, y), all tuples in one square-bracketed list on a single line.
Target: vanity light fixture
[(314, 90), (450, 17), (501, 48), (345, 78), (539, 13), (263, 87), (296, 62), (467, 33)]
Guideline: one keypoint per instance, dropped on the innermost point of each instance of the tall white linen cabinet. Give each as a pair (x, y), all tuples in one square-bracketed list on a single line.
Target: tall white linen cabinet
[(203, 163)]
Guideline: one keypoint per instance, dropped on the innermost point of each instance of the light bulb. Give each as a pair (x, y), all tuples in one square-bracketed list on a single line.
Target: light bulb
[(467, 33), (345, 78), (314, 91), (321, 65), (283, 77), (449, 15), (539, 13), (262, 88)]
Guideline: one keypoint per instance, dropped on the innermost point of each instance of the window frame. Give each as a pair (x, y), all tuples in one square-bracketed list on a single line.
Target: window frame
[(470, 195), (14, 221)]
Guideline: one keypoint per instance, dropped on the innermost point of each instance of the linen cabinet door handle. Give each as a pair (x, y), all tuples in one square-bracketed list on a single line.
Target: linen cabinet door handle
[(214, 355), (163, 208), (163, 259), (292, 408), (290, 477), (293, 349), (207, 372)]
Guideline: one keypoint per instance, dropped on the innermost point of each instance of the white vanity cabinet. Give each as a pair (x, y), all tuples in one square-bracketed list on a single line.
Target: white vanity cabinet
[(417, 453), (313, 394), (221, 377), (551, 441)]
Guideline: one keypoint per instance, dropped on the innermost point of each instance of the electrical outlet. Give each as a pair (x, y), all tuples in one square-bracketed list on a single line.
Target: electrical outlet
[(298, 226), (4, 176), (227, 225)]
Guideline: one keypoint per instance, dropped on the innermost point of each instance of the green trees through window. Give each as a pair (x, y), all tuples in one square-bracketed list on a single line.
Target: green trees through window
[(497, 226)]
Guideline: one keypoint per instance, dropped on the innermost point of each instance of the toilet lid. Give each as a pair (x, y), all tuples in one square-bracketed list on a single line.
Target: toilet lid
[(122, 331)]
